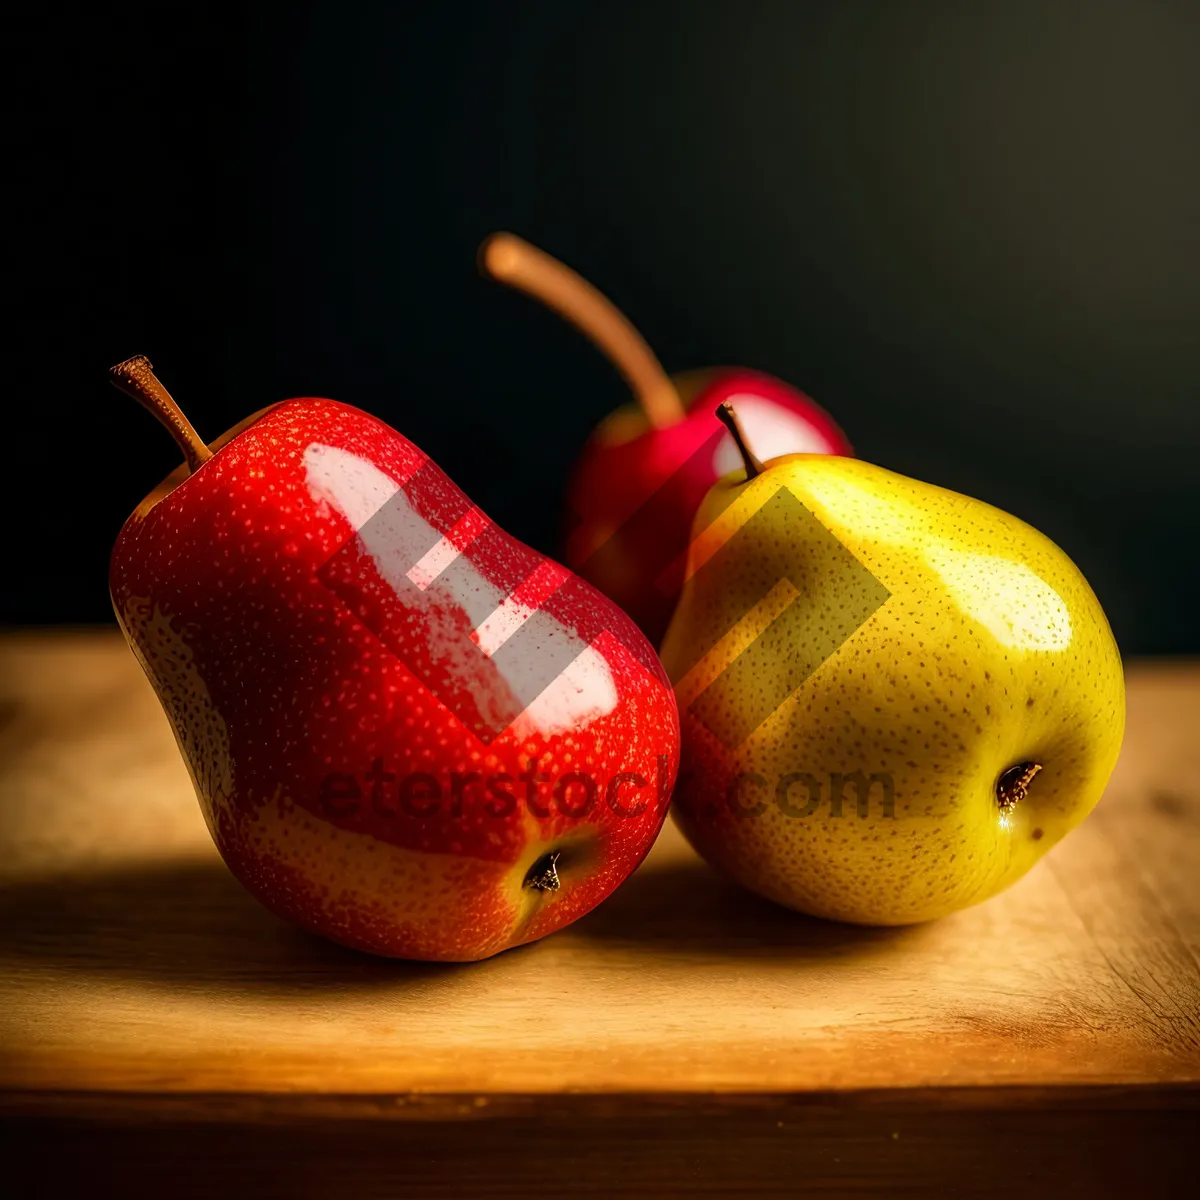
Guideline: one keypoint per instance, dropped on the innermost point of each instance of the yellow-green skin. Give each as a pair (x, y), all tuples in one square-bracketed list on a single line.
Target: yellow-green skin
[(991, 650)]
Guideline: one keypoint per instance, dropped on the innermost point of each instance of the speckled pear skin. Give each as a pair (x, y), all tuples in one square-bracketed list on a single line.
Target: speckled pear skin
[(988, 650), (276, 685)]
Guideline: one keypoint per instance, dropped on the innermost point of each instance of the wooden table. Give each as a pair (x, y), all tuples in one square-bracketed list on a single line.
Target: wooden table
[(159, 1032)]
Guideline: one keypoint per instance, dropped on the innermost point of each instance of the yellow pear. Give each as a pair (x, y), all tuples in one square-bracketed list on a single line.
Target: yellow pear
[(895, 699)]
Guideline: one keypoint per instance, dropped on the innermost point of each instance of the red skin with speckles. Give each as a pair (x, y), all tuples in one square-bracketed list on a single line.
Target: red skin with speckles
[(631, 500), (295, 676)]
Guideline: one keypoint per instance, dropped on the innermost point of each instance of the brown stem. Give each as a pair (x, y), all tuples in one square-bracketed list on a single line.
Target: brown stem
[(135, 377), (727, 414), (511, 260)]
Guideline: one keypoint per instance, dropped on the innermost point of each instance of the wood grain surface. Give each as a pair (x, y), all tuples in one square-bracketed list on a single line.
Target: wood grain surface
[(142, 990)]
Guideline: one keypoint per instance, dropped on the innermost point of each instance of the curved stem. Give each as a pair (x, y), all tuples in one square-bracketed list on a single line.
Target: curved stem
[(728, 417), (513, 261), (135, 377)]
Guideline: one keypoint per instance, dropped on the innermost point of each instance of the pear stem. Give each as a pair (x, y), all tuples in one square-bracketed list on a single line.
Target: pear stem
[(135, 377), (728, 417), (513, 261)]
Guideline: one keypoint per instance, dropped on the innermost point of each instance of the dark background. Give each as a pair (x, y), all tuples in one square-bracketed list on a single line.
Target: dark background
[(972, 231)]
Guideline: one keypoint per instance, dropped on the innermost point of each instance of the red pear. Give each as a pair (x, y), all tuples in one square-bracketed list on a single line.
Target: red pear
[(407, 731), (640, 479)]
